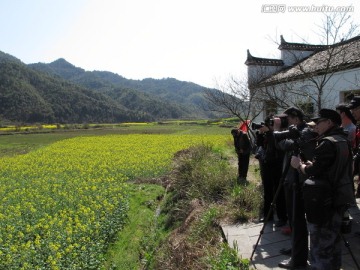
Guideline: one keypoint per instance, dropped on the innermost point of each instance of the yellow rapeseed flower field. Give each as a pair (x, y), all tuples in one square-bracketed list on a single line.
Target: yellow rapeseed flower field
[(60, 205)]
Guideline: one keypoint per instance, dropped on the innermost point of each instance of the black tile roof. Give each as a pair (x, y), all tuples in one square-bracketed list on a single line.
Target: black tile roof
[(340, 56), (299, 46), (251, 60)]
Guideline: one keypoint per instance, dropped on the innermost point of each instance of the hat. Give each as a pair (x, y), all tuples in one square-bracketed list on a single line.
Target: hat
[(328, 114), (292, 111), (355, 102), (342, 107)]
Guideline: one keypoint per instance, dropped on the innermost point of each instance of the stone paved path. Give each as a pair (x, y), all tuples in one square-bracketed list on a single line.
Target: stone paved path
[(243, 237)]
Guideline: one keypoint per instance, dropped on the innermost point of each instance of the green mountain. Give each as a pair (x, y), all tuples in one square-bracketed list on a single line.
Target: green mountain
[(180, 99), (60, 92), (30, 96), (4, 57)]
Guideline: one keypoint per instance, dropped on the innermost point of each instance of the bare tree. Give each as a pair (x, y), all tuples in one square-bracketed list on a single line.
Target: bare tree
[(312, 80), (337, 27), (234, 98), (336, 30)]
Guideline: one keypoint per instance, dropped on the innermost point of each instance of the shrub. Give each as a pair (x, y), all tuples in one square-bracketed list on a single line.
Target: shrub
[(200, 174)]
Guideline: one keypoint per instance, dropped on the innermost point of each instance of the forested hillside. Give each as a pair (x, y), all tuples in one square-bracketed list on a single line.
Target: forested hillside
[(28, 96), (61, 92), (181, 99)]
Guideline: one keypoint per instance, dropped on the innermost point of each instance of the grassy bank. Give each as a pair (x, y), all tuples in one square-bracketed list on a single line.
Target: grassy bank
[(202, 193), (125, 252)]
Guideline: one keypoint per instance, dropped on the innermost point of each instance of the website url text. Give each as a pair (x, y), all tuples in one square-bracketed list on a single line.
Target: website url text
[(282, 8)]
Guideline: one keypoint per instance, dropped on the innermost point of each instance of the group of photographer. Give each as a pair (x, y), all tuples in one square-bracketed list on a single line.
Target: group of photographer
[(308, 167)]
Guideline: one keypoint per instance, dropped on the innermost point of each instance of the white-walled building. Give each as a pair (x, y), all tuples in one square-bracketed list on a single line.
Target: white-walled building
[(306, 76)]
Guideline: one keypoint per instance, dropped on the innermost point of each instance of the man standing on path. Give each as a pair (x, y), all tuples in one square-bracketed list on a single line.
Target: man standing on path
[(243, 149), (270, 170), (297, 136), (328, 190)]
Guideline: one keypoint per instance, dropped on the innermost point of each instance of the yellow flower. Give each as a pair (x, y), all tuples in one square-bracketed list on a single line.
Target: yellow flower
[(37, 240), (61, 198)]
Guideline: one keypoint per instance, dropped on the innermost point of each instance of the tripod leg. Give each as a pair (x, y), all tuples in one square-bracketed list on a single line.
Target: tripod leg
[(262, 230), (272, 206)]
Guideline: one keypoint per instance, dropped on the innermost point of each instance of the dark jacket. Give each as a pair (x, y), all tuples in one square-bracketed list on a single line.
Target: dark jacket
[(333, 163), (303, 145), (271, 153), (241, 142)]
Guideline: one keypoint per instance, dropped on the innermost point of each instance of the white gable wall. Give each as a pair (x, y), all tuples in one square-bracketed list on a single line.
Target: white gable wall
[(290, 57), (256, 72), (340, 82)]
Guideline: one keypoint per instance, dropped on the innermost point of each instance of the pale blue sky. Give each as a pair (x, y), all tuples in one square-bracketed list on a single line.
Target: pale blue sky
[(202, 41)]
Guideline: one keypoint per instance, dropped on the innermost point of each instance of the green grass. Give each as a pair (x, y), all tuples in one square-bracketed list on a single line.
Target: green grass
[(126, 251), (15, 144), (21, 144)]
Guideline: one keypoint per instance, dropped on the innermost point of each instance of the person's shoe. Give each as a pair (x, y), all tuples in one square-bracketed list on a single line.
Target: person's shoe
[(285, 251), (280, 223), (288, 264), (242, 180)]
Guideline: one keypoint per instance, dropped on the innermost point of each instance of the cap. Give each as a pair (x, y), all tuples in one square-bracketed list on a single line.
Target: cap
[(355, 102), (342, 107), (328, 114), (292, 111)]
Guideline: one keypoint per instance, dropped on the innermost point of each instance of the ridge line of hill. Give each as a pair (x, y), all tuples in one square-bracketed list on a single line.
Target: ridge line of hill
[(60, 92)]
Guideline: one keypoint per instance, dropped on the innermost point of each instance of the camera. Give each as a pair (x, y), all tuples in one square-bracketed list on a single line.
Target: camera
[(283, 121), (255, 126), (291, 133), (304, 141)]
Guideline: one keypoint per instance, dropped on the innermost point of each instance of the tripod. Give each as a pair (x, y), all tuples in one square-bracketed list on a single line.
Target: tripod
[(272, 206)]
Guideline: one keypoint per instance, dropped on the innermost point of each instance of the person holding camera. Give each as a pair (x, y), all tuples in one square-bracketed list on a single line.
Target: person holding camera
[(270, 162), (243, 149), (327, 191), (299, 138)]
